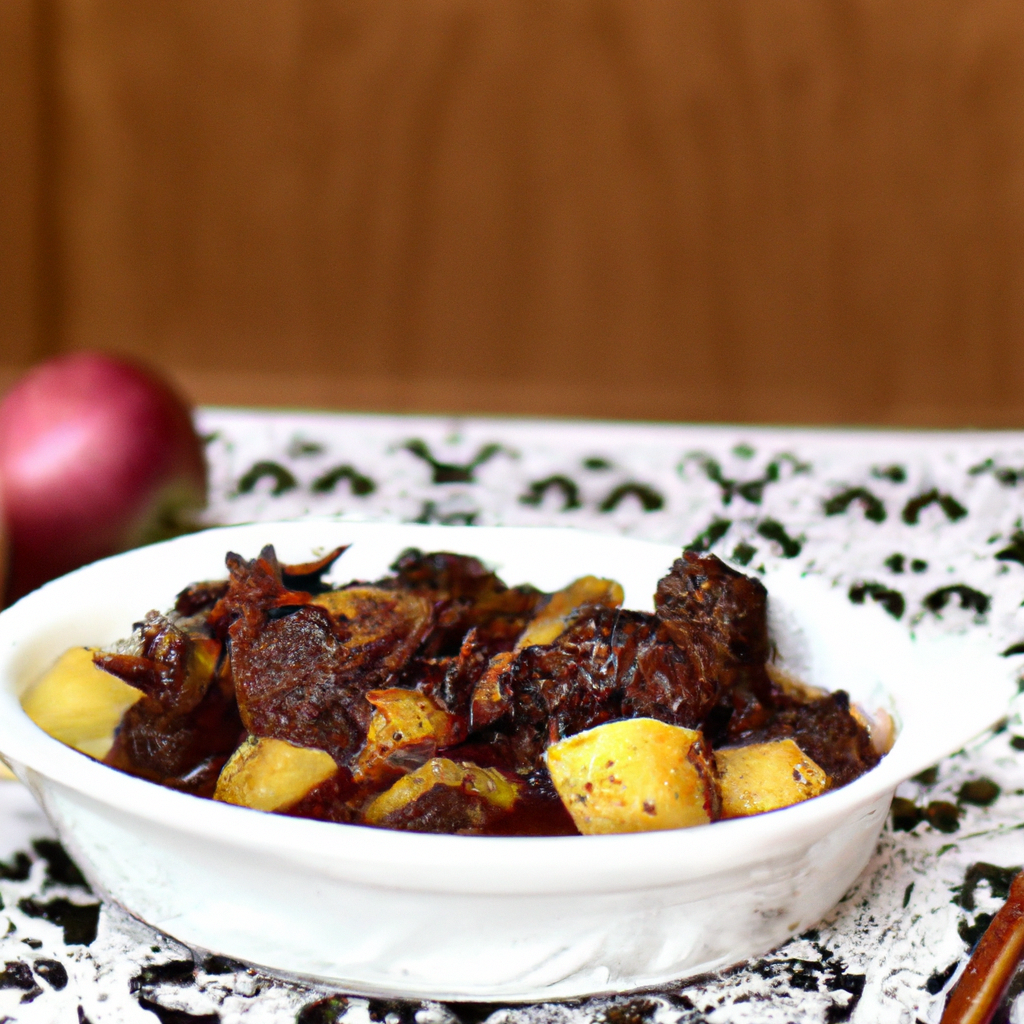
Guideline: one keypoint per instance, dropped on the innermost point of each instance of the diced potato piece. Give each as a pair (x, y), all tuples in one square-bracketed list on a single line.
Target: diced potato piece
[(637, 775), (548, 624), (406, 729), (766, 776), (79, 704), (489, 785), (272, 775)]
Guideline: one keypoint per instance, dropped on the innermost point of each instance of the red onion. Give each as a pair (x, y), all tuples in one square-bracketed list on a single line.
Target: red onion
[(97, 455)]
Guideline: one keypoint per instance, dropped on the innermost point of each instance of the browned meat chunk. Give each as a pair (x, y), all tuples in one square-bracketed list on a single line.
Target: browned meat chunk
[(608, 664), (664, 682), (463, 675), (185, 751), (301, 668), (465, 595), (200, 597), (445, 796), (174, 668), (823, 728), (717, 614), (186, 726)]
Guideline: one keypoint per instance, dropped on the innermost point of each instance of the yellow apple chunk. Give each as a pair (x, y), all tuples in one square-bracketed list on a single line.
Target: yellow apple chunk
[(637, 775), (406, 729), (272, 775), (80, 704), (547, 625), (482, 788), (766, 776)]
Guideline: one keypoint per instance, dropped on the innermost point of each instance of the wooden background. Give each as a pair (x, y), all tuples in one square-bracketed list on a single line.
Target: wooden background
[(787, 211)]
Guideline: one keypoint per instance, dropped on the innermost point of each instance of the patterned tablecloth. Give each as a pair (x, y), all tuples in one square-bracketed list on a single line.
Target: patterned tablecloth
[(927, 525)]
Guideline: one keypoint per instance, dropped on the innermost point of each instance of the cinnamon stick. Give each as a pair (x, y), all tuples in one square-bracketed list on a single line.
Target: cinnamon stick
[(977, 995)]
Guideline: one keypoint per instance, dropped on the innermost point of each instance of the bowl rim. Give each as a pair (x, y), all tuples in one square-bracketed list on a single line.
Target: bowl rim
[(508, 862)]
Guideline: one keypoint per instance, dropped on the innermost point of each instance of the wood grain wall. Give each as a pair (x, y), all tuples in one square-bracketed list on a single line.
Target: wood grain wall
[(21, 229), (792, 211)]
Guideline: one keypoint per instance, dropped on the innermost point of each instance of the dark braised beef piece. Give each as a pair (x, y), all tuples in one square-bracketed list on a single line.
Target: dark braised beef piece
[(545, 693), (444, 809), (823, 728), (719, 616), (200, 597), (186, 726), (710, 629), (465, 595), (455, 687), (274, 652), (302, 664), (332, 800), (476, 616)]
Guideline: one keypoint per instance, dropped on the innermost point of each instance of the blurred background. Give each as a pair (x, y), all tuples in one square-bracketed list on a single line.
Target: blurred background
[(792, 212)]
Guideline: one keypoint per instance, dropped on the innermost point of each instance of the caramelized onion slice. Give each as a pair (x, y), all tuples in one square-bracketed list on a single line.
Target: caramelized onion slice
[(406, 730), (374, 614), (548, 624)]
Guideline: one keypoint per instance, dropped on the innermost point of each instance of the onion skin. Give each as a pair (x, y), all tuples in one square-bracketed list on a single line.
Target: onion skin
[(97, 455)]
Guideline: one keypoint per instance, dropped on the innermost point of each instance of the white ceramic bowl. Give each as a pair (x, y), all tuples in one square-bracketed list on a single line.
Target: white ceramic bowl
[(455, 917)]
